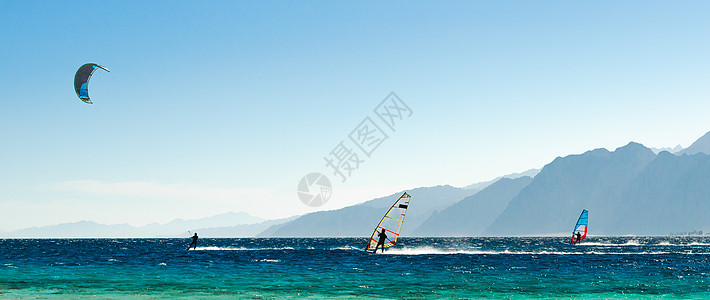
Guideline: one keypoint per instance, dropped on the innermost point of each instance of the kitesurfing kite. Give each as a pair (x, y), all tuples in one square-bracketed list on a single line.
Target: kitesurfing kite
[(391, 224), (81, 80), (580, 229)]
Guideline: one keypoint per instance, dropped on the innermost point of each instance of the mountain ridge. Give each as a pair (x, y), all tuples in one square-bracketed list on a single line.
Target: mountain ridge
[(361, 219), (174, 228), (471, 215)]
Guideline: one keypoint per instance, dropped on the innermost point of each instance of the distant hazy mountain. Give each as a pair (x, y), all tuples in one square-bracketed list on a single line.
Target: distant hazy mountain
[(245, 230), (81, 229), (701, 145), (361, 219), (244, 225), (628, 191), (675, 149), (180, 226), (470, 216), (482, 185), (671, 195)]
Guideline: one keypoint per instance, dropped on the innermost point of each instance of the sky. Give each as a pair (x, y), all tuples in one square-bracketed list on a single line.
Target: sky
[(218, 106)]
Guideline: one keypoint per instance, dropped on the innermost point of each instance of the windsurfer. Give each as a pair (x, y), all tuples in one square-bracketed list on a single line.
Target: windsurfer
[(577, 237), (381, 242), (194, 242)]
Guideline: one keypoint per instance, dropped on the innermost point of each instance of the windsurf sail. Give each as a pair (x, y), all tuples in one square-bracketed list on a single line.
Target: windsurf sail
[(391, 223), (81, 80), (580, 227)]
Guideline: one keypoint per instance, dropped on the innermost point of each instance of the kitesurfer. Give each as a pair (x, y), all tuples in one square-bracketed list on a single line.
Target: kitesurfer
[(383, 237), (194, 242)]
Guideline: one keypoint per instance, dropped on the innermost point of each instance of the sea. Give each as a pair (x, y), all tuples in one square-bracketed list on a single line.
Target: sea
[(416, 268)]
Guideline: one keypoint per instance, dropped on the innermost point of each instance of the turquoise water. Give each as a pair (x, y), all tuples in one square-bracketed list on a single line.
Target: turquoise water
[(603, 267)]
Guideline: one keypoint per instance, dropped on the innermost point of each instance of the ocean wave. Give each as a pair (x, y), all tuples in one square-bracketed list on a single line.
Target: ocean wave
[(266, 260), (436, 251), (344, 248), (221, 249), (697, 244), (593, 248), (628, 243), (212, 248), (633, 253), (666, 243), (637, 243)]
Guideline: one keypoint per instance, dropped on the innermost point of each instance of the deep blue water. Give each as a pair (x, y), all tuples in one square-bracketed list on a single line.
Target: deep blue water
[(603, 267)]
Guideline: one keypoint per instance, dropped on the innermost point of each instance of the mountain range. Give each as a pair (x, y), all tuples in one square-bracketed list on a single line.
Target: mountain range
[(236, 223), (628, 191), (483, 184), (361, 219), (702, 145), (631, 190), (593, 180), (470, 216)]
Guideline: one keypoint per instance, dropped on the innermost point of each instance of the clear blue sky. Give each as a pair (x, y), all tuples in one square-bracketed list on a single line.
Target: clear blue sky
[(216, 106)]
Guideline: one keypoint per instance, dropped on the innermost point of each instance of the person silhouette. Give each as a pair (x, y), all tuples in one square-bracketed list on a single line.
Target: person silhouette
[(194, 242), (578, 237), (381, 242)]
